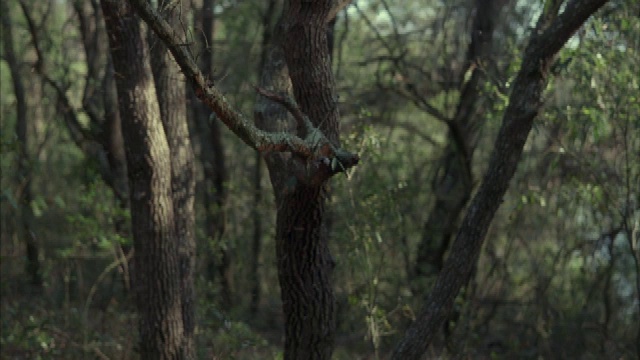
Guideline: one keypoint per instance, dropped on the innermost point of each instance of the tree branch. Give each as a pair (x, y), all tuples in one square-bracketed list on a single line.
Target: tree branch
[(524, 105), (310, 148)]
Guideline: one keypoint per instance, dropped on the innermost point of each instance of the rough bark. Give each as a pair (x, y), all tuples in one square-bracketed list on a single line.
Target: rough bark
[(525, 102), (23, 173), (304, 262), (171, 93), (157, 257), (314, 155)]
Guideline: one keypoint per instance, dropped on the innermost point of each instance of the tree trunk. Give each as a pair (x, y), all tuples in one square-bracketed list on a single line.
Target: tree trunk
[(454, 182), (24, 171), (100, 103), (309, 157), (157, 258), (172, 98), (525, 102), (305, 264)]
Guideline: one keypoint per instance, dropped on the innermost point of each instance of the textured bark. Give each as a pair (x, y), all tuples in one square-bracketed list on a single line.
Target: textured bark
[(314, 156), (23, 172), (304, 271), (525, 102), (305, 264), (171, 93), (157, 253)]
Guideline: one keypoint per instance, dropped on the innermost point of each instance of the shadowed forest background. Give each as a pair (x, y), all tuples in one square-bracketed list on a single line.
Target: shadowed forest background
[(421, 88)]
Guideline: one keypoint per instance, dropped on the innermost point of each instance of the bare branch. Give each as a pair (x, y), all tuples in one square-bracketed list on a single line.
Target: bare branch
[(240, 125)]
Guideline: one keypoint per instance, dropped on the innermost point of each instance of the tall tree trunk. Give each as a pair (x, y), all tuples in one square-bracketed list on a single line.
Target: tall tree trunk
[(157, 258), (454, 183), (309, 157), (171, 93), (256, 239), (100, 102), (525, 102), (24, 171), (305, 264), (261, 117), (100, 90), (213, 164), (114, 142)]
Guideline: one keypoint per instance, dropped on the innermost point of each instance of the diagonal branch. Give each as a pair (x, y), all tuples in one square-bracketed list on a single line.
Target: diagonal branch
[(524, 104), (240, 125)]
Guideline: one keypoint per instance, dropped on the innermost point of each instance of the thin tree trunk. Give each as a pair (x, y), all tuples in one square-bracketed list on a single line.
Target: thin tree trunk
[(256, 240), (100, 102), (24, 171), (260, 115), (454, 184), (157, 258), (213, 164), (525, 103), (114, 143), (171, 93), (309, 157)]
